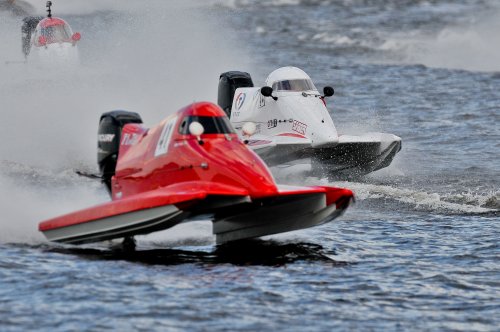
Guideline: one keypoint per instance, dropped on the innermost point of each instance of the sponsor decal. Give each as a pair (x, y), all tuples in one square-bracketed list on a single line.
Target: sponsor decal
[(106, 138), (257, 128), (273, 123), (299, 127), (130, 139), (179, 144), (262, 101), (240, 100)]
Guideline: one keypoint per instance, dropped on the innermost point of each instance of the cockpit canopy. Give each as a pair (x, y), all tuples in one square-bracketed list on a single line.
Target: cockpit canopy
[(211, 124), (290, 79), (54, 30), (294, 85), (56, 33)]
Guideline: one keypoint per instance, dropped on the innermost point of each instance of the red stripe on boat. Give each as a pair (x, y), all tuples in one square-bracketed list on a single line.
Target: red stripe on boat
[(291, 135)]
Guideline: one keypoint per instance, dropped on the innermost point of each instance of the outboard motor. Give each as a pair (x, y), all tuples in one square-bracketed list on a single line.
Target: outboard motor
[(228, 83), (108, 141)]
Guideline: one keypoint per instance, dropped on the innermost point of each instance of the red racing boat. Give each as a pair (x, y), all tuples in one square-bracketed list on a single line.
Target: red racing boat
[(191, 164)]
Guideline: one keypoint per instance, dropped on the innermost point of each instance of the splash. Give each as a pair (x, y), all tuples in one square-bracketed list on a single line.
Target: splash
[(469, 203), (470, 47), (29, 194), (152, 58)]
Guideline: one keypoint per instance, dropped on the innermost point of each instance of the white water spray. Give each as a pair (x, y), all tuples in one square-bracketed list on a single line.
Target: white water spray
[(473, 46), (152, 58)]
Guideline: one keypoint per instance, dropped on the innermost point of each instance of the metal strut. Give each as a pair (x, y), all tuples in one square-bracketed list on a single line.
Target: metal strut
[(49, 10)]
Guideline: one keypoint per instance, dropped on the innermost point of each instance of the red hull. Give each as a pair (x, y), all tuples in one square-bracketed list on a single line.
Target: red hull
[(165, 176)]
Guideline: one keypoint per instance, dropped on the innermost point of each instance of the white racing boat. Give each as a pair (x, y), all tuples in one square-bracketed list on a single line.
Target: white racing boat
[(292, 125)]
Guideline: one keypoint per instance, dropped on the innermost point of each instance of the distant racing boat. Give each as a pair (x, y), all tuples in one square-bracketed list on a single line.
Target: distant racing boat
[(50, 40)]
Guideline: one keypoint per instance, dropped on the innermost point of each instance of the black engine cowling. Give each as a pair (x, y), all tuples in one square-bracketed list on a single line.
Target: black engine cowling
[(108, 141), (29, 25), (228, 83)]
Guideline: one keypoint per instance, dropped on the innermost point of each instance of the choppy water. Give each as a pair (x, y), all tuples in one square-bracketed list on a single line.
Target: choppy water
[(418, 251)]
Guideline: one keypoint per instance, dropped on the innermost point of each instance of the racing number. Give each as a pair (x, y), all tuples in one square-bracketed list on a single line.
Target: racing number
[(164, 140), (272, 123)]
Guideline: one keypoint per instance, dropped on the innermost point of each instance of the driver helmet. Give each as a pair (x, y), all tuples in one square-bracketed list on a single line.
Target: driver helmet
[(290, 79)]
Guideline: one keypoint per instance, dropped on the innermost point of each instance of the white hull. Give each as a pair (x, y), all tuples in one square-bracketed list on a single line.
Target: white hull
[(293, 126), (57, 54)]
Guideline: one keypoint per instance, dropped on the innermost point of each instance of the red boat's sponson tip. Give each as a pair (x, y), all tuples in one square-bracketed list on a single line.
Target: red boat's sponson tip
[(285, 190), (333, 195), (339, 196)]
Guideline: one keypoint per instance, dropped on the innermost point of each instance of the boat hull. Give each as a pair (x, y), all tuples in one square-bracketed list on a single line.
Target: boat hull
[(352, 157), (235, 217), (284, 215)]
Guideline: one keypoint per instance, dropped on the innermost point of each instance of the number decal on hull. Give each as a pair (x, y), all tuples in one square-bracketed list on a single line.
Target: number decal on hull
[(272, 123), (166, 134)]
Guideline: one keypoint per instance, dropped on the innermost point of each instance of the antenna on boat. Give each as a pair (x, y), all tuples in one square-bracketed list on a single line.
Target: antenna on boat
[(49, 10)]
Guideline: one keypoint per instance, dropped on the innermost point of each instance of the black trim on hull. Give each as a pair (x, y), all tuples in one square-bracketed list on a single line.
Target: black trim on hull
[(286, 214), (350, 164), (345, 160)]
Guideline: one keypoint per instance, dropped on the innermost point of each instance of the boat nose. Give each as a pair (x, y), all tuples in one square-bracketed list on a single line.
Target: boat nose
[(321, 128), (256, 177), (239, 166)]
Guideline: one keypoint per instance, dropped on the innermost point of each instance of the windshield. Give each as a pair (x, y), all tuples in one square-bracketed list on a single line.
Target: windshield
[(294, 85), (56, 34), (212, 124)]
